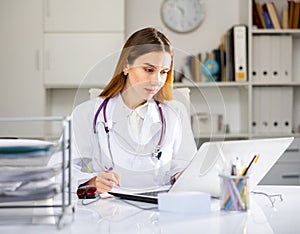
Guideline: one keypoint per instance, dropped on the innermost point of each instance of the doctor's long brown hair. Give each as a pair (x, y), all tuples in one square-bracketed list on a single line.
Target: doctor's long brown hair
[(139, 43)]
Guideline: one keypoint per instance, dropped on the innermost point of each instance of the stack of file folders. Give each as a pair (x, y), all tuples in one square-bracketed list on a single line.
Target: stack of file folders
[(273, 109), (24, 174), (272, 58)]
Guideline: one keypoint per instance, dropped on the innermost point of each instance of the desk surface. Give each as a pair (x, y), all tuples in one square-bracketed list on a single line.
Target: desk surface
[(115, 216)]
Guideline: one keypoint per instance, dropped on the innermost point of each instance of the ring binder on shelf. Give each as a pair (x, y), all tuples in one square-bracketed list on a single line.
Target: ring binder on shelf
[(275, 58), (240, 53), (256, 60), (265, 53), (275, 109), (286, 51), (272, 58), (256, 110), (272, 110), (264, 110), (286, 104)]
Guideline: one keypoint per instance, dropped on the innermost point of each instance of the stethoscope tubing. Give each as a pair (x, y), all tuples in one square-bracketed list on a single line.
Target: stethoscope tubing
[(157, 151), (163, 122), (103, 104)]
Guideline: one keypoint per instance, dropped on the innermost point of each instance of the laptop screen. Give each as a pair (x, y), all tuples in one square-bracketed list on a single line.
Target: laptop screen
[(213, 158)]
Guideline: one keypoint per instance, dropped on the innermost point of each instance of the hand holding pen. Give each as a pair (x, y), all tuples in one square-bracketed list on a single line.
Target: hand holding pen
[(106, 180)]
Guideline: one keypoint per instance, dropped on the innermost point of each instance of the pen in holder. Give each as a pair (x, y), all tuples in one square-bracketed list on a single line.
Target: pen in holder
[(234, 192)]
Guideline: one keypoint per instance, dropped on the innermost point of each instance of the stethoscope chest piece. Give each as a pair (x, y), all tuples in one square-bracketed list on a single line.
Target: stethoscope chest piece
[(157, 153), (108, 125)]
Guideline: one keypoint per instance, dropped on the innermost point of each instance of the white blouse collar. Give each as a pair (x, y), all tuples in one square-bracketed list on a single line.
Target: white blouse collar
[(140, 110)]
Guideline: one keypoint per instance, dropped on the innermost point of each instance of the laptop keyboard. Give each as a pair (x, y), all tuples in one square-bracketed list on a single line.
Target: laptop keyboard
[(153, 193)]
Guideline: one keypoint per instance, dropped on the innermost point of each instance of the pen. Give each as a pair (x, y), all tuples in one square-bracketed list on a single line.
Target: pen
[(246, 169), (230, 186), (238, 195), (238, 165), (233, 170), (109, 169)]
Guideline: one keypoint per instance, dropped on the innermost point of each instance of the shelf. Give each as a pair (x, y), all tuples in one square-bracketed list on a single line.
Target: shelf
[(223, 136), (175, 85), (210, 84), (262, 135), (285, 84), (71, 86), (294, 32), (80, 31), (188, 85)]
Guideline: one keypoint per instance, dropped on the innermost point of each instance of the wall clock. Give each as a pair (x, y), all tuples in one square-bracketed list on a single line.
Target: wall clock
[(182, 16)]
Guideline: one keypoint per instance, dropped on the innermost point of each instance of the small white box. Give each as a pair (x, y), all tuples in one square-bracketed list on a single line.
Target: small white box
[(206, 123), (184, 202)]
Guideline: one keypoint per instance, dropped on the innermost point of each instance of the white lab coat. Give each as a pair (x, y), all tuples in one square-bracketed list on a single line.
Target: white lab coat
[(137, 170)]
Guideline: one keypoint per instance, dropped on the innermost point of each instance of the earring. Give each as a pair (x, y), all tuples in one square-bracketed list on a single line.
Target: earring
[(125, 73)]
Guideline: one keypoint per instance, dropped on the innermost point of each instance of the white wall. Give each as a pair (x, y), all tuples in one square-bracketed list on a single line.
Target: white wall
[(220, 16)]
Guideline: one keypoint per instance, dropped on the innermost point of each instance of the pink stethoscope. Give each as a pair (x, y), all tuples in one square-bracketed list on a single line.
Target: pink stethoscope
[(156, 153)]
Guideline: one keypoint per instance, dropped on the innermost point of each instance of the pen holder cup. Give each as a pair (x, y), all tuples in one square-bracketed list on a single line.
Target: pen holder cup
[(234, 193)]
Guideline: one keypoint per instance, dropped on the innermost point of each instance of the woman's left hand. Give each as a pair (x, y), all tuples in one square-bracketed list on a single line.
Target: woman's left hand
[(175, 177)]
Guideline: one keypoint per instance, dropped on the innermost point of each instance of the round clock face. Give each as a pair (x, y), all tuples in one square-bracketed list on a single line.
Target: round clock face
[(182, 15)]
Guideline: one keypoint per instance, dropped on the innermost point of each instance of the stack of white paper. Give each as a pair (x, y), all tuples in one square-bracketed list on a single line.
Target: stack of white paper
[(23, 174)]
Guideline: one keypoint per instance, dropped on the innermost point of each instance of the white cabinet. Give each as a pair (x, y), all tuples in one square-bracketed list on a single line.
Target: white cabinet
[(69, 57), (82, 41), (287, 169), (22, 92), (84, 15), (77, 36)]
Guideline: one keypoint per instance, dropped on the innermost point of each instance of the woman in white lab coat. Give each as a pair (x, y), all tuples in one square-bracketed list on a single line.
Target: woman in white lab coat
[(134, 135)]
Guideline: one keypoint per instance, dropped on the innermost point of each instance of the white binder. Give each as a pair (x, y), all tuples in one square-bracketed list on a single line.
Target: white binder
[(264, 125), (286, 104), (240, 52), (272, 110), (256, 59), (275, 109), (275, 57), (265, 62), (256, 110), (286, 57)]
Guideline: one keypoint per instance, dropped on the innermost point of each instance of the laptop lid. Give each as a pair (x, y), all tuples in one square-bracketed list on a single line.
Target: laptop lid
[(212, 158), (202, 174)]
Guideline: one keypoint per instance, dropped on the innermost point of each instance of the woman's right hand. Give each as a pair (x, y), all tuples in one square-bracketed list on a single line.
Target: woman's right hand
[(105, 181)]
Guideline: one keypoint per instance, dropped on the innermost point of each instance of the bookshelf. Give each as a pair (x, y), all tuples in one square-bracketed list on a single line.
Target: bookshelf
[(291, 83), (287, 169), (240, 98)]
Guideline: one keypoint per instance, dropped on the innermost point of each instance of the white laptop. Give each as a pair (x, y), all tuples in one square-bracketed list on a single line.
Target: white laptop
[(202, 174)]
